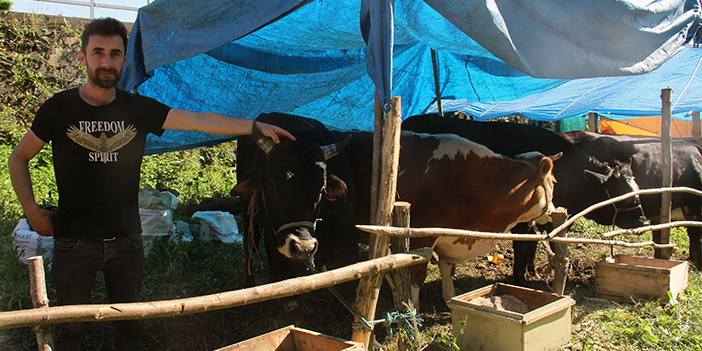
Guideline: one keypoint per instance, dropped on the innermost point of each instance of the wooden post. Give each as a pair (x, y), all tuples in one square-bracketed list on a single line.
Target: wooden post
[(560, 261), (696, 127), (386, 157), (663, 236), (592, 122), (437, 86), (37, 289), (399, 279)]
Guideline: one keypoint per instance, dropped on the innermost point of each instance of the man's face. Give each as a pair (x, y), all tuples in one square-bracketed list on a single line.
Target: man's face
[(103, 59)]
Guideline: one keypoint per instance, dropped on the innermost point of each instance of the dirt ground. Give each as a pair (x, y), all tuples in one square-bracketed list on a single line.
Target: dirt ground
[(321, 311)]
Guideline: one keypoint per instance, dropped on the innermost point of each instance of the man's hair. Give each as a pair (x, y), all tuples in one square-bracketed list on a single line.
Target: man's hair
[(104, 26)]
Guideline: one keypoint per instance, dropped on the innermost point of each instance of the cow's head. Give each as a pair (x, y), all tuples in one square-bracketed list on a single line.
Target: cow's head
[(617, 180), (289, 182), (543, 165)]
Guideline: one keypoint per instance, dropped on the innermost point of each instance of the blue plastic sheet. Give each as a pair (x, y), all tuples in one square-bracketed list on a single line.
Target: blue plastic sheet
[(309, 58)]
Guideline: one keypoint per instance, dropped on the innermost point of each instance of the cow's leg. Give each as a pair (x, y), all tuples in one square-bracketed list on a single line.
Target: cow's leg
[(657, 239), (524, 255), (446, 270), (418, 273), (695, 234)]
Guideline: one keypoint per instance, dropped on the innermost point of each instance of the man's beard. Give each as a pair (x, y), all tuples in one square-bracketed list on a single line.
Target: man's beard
[(104, 82)]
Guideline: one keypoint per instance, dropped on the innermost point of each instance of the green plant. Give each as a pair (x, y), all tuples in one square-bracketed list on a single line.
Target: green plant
[(5, 4)]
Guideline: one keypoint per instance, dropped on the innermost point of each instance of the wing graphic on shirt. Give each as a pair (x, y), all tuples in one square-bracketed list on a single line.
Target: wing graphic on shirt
[(103, 143)]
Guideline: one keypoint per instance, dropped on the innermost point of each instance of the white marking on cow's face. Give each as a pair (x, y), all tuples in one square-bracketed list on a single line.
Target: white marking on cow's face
[(306, 248), (535, 212), (289, 175)]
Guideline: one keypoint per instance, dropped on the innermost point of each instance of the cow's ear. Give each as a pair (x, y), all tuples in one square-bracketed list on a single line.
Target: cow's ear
[(595, 178), (546, 166), (336, 189), (245, 187)]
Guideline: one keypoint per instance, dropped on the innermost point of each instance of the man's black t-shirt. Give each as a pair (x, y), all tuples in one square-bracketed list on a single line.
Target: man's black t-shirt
[(97, 153)]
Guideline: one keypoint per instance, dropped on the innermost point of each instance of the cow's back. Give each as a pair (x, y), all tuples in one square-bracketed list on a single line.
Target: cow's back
[(573, 191)]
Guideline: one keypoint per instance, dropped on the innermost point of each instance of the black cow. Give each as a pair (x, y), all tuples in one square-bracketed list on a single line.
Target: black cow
[(644, 154), (582, 179), (300, 193)]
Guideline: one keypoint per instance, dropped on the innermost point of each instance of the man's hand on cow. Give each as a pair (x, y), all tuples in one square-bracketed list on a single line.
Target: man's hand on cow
[(41, 221), (274, 132)]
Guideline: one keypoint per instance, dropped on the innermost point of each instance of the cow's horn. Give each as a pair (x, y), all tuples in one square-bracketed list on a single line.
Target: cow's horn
[(263, 142), (333, 149), (556, 156)]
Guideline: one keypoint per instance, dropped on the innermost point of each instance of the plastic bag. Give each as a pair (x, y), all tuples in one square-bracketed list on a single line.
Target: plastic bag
[(28, 243), (218, 224), (155, 222), (181, 234)]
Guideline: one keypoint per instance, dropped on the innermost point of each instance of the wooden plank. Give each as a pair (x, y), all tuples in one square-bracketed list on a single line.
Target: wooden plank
[(37, 289), (625, 278), (399, 279), (592, 122), (294, 339), (544, 327), (663, 236), (386, 155), (560, 261), (696, 127), (213, 302)]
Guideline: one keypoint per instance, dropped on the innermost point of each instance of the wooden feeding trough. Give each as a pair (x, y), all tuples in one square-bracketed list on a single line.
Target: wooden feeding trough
[(631, 278), (545, 326), (292, 338)]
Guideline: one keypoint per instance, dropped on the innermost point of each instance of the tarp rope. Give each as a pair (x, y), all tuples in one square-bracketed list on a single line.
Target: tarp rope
[(407, 320)]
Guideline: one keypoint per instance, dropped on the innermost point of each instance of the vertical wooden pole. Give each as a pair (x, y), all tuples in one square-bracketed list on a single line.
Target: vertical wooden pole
[(399, 279), (592, 122), (37, 289), (560, 261), (386, 155), (696, 127), (667, 172)]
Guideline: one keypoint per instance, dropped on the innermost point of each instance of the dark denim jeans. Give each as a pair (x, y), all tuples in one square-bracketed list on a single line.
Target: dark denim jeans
[(75, 264)]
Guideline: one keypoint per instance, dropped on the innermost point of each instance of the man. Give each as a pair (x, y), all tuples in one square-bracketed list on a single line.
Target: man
[(98, 135)]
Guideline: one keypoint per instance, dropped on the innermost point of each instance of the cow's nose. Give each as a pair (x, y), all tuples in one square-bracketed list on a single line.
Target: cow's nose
[(304, 249)]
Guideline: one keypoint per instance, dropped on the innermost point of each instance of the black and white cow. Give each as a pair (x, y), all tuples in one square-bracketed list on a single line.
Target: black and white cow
[(300, 193), (582, 179), (644, 153)]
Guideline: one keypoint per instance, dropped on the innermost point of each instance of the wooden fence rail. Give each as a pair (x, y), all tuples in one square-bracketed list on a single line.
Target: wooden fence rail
[(170, 308)]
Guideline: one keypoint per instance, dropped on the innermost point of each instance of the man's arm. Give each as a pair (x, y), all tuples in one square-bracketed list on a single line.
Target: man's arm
[(18, 164), (216, 123)]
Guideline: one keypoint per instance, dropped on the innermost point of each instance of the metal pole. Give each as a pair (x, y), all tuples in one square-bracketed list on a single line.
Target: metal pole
[(436, 82)]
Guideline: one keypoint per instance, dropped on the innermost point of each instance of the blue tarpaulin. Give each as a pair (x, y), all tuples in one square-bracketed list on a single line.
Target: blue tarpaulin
[(613, 97), (324, 59)]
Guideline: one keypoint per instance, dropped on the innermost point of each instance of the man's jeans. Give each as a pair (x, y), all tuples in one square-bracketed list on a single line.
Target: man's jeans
[(75, 264)]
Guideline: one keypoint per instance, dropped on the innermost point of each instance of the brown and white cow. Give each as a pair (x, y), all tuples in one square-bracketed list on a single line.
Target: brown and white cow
[(452, 182)]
